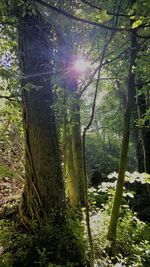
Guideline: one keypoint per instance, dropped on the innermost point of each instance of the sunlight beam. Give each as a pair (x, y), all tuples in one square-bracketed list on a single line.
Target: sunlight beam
[(81, 65)]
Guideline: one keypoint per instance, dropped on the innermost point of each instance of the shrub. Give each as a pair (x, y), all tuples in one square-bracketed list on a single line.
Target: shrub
[(47, 244), (132, 247)]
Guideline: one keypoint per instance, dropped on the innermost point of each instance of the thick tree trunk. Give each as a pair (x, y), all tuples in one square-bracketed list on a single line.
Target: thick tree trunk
[(44, 189), (125, 142)]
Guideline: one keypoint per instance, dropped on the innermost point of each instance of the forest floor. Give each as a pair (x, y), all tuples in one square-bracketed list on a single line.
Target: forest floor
[(10, 190), (133, 235), (11, 186)]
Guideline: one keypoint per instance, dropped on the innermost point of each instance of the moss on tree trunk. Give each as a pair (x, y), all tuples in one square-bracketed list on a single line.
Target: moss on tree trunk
[(77, 149), (44, 189), (125, 142)]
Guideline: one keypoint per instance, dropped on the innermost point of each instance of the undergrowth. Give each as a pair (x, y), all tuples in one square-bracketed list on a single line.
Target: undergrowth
[(62, 243), (132, 246), (47, 244)]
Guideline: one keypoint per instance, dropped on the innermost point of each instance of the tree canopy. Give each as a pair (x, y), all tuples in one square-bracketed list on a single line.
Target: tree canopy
[(75, 113)]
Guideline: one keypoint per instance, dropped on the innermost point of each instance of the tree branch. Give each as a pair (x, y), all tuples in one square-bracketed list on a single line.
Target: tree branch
[(68, 15), (100, 9), (96, 70), (10, 98), (10, 23), (84, 155), (144, 37)]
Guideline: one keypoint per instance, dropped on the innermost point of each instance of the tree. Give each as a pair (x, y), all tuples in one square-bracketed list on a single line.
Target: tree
[(143, 123), (39, 39), (44, 188), (71, 127), (125, 142), (43, 199)]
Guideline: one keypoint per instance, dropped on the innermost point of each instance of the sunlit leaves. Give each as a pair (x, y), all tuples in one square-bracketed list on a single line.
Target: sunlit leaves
[(137, 23), (101, 16)]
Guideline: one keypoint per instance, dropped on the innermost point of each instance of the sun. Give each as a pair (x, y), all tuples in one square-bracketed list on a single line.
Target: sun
[(81, 65)]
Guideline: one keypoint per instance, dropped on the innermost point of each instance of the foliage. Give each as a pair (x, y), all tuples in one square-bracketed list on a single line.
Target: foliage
[(132, 247), (41, 244), (135, 189), (11, 129), (6, 171), (103, 142), (51, 241), (101, 155)]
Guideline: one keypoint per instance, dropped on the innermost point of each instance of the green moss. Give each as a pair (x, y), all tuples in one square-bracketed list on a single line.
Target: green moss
[(6, 171), (53, 242)]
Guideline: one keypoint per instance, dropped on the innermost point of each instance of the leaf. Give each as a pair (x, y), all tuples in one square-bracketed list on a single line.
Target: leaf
[(112, 175), (24, 13), (145, 177), (131, 12), (137, 23), (129, 194), (34, 11), (132, 17)]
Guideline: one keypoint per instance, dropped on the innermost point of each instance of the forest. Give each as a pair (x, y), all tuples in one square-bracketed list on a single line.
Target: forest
[(74, 133)]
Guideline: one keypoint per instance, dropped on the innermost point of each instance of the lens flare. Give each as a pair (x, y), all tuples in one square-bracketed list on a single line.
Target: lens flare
[(81, 65)]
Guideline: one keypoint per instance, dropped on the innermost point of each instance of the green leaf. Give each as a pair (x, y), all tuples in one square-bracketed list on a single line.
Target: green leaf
[(146, 177), (137, 23), (129, 194), (34, 11)]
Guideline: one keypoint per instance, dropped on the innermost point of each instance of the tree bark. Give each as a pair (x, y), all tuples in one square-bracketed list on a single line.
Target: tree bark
[(125, 142), (72, 182), (73, 153), (137, 140), (77, 149), (73, 150), (44, 189), (143, 104), (146, 144)]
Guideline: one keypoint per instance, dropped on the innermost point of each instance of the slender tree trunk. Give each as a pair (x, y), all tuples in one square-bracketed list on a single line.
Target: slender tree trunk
[(139, 149), (125, 142), (77, 150), (137, 139), (143, 104), (146, 147), (71, 179), (44, 189), (73, 155), (73, 151)]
